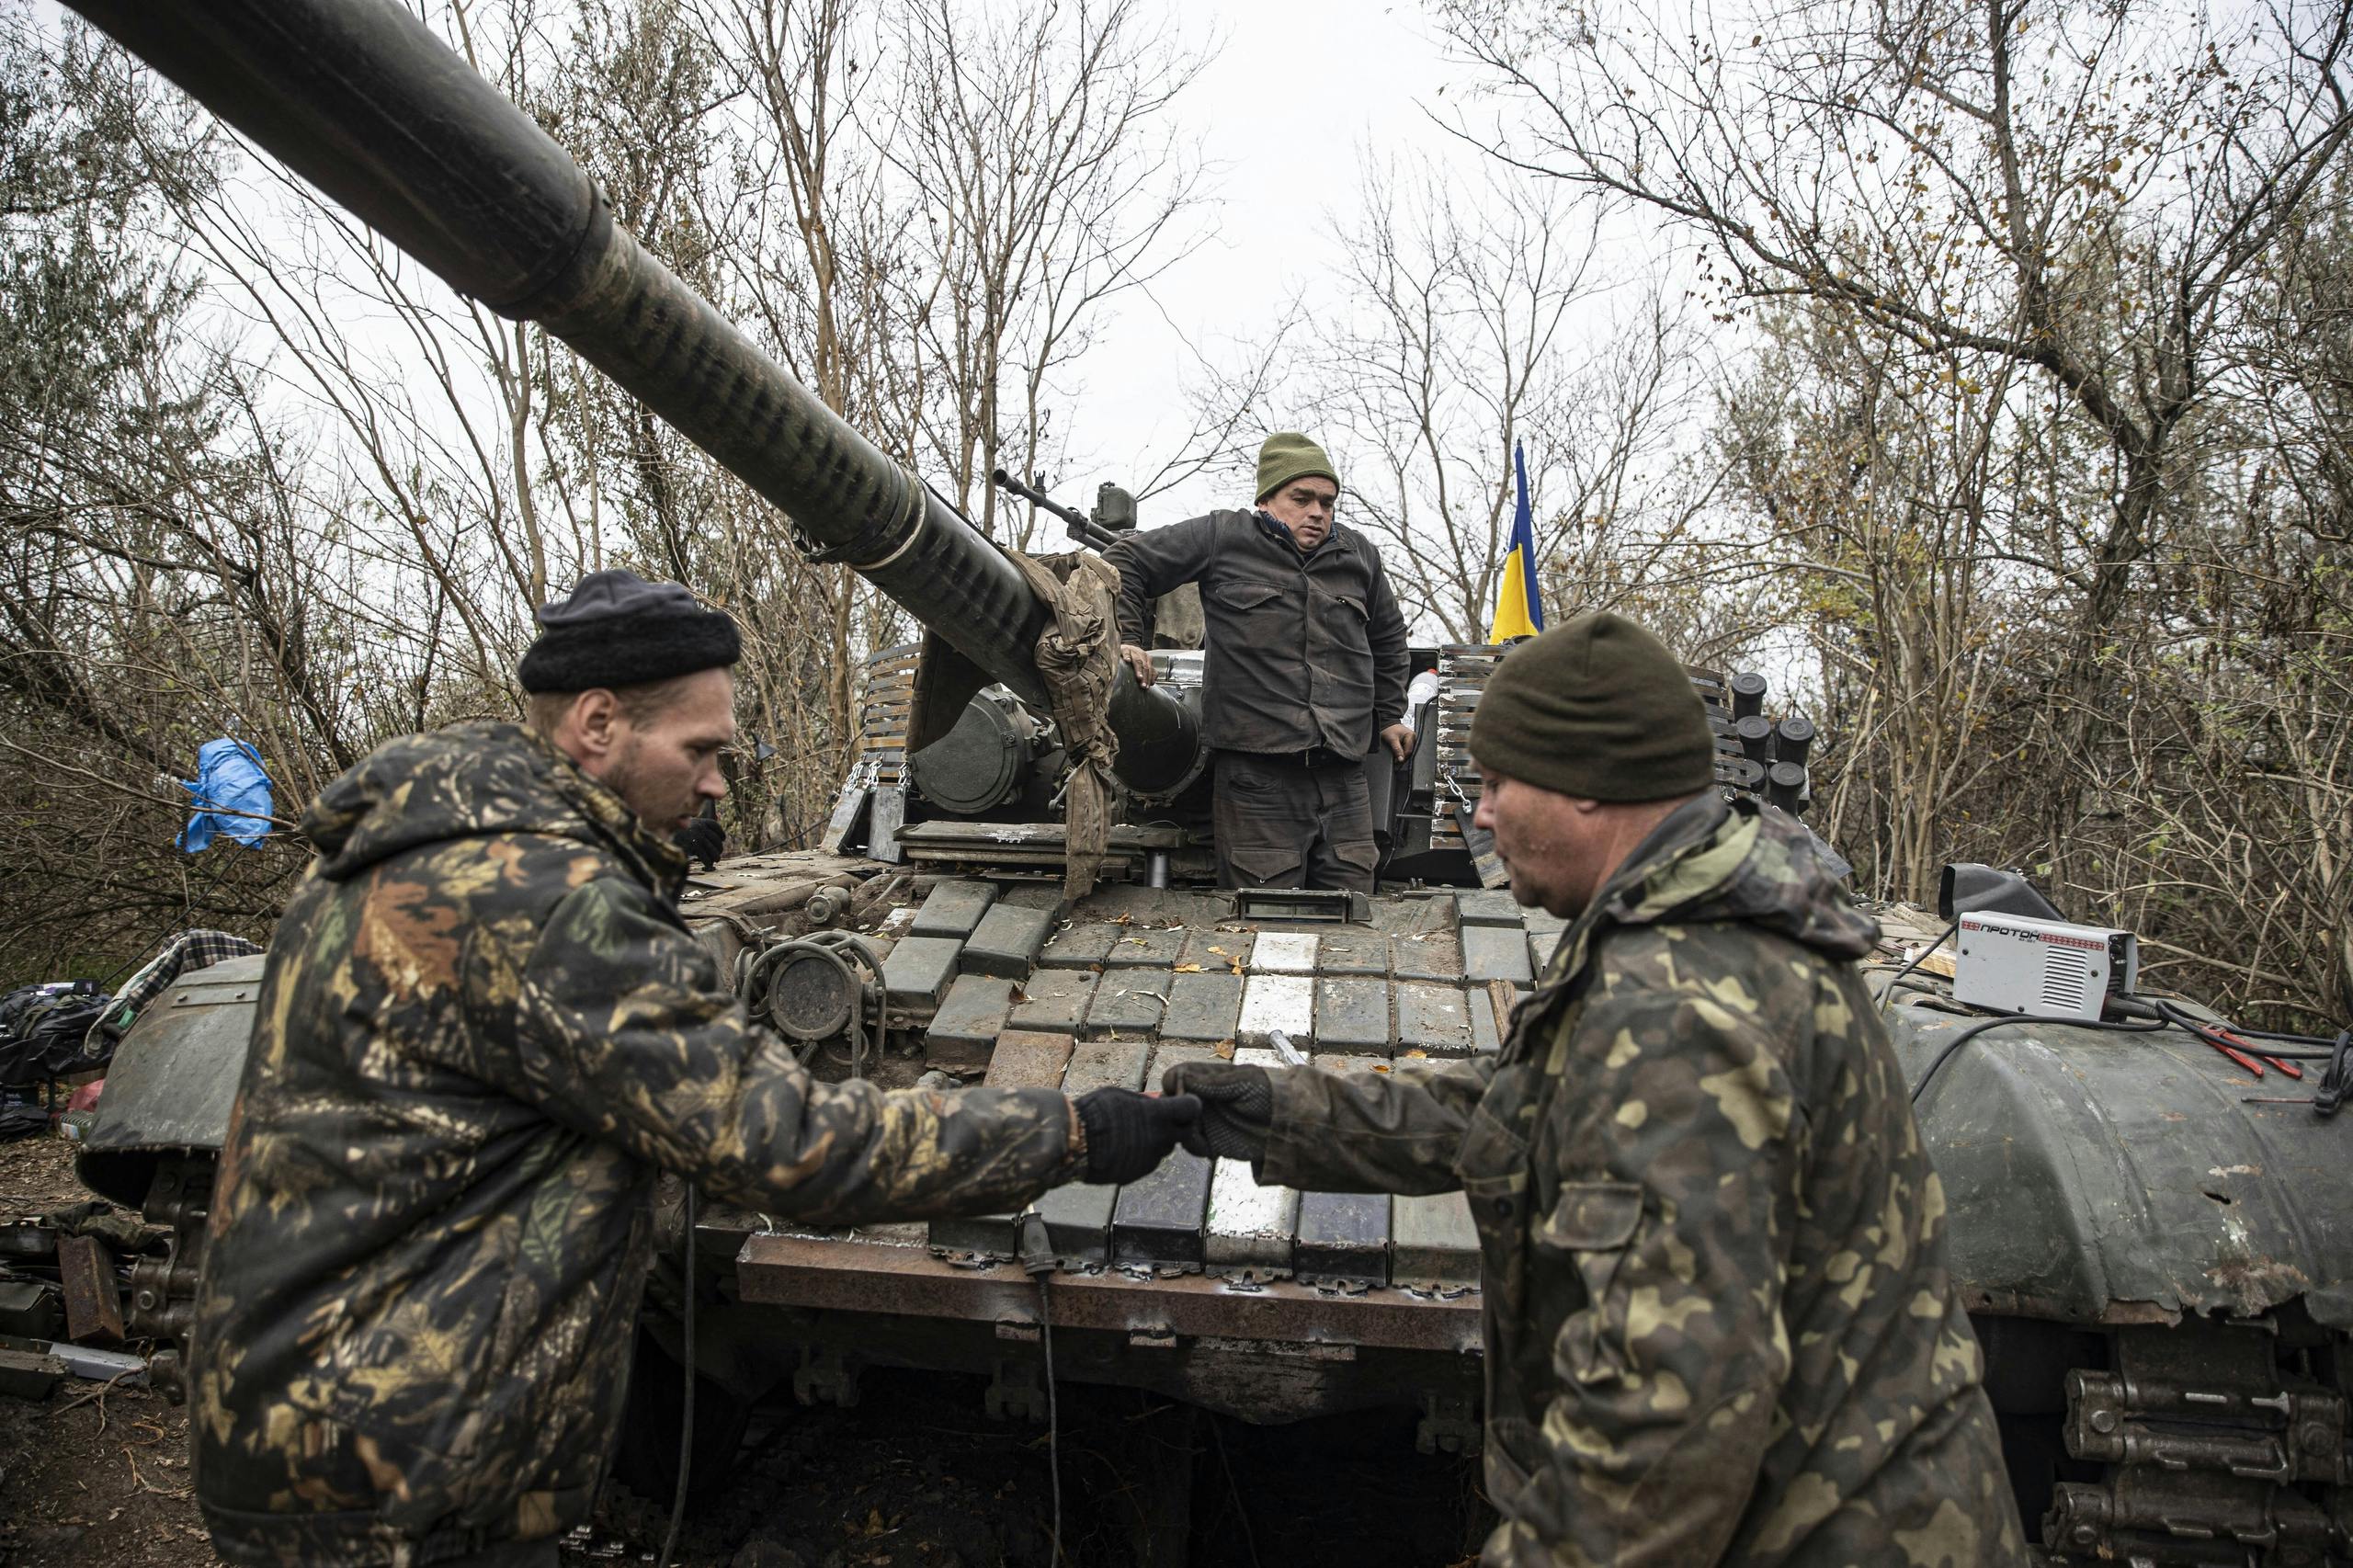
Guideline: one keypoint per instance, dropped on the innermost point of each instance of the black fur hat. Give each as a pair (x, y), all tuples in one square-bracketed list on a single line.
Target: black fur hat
[(615, 629)]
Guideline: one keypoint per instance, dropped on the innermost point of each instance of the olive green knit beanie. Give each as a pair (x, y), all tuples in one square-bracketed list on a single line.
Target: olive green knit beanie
[(1598, 708), (1288, 455)]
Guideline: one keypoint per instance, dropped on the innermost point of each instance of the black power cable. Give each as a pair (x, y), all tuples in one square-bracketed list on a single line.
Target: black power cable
[(1053, 1422), (687, 1412), (2207, 1031), (1979, 1028), (1894, 979), (1034, 1250)]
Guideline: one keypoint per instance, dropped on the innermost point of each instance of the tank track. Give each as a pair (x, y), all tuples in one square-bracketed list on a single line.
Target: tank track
[(2220, 1442)]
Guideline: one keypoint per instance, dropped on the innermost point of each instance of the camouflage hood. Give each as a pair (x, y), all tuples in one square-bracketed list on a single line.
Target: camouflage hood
[(473, 780), (1713, 863)]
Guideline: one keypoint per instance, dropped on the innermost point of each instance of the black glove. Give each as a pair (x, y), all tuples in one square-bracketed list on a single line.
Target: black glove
[(1128, 1134), (702, 839), (1237, 1107)]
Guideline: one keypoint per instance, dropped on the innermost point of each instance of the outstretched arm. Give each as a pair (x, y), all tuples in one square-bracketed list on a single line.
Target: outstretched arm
[(628, 1035), (1326, 1131)]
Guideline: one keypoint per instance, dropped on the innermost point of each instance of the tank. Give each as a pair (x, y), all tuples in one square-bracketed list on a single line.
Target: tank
[(2154, 1244)]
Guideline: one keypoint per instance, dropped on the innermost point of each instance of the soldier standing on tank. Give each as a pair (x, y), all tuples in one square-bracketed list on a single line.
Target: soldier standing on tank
[(1305, 660), (1719, 1325), (483, 1029)]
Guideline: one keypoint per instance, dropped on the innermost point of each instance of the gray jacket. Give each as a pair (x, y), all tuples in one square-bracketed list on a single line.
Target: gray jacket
[(1305, 651)]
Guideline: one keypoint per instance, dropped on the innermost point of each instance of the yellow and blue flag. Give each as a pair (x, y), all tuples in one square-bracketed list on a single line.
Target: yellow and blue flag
[(1520, 608)]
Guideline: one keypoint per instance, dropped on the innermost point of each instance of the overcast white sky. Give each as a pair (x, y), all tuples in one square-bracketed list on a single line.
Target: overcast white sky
[(1298, 91)]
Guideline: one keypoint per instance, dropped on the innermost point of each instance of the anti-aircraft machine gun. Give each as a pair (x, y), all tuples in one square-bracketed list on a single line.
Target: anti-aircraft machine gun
[(2160, 1256)]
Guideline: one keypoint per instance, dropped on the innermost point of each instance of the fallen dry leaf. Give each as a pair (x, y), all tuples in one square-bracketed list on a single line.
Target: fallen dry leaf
[(1418, 1052), (1188, 969), (1223, 1051)]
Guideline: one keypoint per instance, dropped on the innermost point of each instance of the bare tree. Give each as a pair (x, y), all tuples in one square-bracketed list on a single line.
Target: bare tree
[(1047, 181), (1467, 321), (2081, 191)]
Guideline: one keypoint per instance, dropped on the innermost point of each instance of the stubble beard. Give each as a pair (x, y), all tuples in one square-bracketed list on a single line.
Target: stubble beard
[(626, 779)]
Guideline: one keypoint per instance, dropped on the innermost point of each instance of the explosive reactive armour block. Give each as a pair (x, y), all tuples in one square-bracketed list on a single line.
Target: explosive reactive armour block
[(1343, 1235), (1054, 1000), (1144, 947), (1213, 949), (1079, 945), (1159, 1219), (1432, 1241), (1078, 1216), (1486, 1030), (953, 909), (1495, 952), (93, 1298), (1128, 1001), (1021, 1062), (1433, 1019), (1488, 906), (1272, 1002), (1284, 952), (1352, 953), (1250, 1224), (1204, 1007), (1434, 956), (1352, 1014), (964, 1032), (27, 1374), (918, 971), (1008, 940), (1541, 944), (28, 1309)]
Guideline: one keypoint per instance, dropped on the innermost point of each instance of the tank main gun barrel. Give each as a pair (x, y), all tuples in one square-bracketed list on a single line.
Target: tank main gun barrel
[(362, 100)]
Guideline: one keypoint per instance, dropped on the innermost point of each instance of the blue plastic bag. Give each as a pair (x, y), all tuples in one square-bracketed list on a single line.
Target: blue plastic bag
[(232, 796)]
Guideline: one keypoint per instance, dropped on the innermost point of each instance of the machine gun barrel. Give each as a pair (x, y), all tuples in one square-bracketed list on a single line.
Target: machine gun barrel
[(361, 100), (1083, 527)]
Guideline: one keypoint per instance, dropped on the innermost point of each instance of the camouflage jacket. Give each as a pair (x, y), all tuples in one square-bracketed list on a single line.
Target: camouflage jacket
[(1718, 1325), (482, 1029)]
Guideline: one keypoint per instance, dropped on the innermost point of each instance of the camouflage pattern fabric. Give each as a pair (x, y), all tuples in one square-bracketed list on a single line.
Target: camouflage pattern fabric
[(482, 1029), (1717, 1320)]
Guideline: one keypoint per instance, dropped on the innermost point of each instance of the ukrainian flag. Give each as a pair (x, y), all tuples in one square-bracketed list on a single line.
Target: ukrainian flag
[(1520, 611)]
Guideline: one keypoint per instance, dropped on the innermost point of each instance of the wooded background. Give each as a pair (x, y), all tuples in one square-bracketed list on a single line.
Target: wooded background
[(1982, 371)]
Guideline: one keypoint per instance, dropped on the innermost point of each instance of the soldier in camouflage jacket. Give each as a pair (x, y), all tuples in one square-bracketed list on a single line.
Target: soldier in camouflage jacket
[(483, 1029), (1718, 1326)]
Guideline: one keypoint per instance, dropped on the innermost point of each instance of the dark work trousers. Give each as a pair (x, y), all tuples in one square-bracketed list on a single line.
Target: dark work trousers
[(1284, 824)]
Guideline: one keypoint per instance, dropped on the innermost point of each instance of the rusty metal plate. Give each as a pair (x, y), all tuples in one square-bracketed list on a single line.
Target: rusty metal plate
[(93, 1300), (795, 1271)]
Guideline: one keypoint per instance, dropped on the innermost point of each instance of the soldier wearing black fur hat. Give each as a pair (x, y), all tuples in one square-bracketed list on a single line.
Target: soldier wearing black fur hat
[(483, 1029)]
